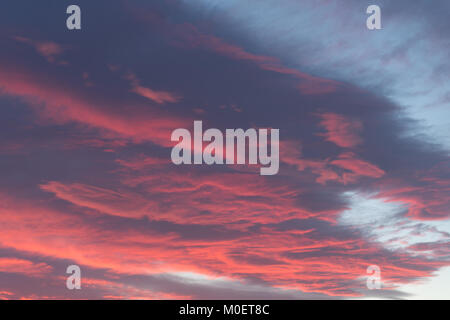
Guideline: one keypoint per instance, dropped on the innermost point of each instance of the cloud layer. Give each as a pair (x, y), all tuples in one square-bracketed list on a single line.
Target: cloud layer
[(85, 146)]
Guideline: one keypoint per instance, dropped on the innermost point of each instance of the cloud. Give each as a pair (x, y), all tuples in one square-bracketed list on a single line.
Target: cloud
[(394, 63), (340, 130), (97, 187), (346, 168), (54, 103), (5, 295), (357, 166), (160, 97), (48, 49), (26, 267), (141, 162), (427, 200), (189, 36)]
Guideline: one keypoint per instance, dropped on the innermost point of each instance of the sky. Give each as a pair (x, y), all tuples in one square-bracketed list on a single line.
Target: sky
[(86, 118)]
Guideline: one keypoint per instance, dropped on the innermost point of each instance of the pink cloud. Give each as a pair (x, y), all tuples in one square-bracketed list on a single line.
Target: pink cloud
[(313, 259), (342, 131), (141, 162), (22, 266), (160, 97), (103, 200), (48, 49), (6, 295), (61, 106), (428, 200), (330, 169), (359, 167)]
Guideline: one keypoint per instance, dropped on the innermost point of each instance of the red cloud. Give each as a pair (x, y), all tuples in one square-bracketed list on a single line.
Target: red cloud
[(328, 169), (103, 200), (311, 262), (153, 95), (156, 96), (141, 162), (231, 224), (60, 105), (185, 193), (6, 295), (340, 130), (359, 167), (48, 49), (22, 266), (426, 199)]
